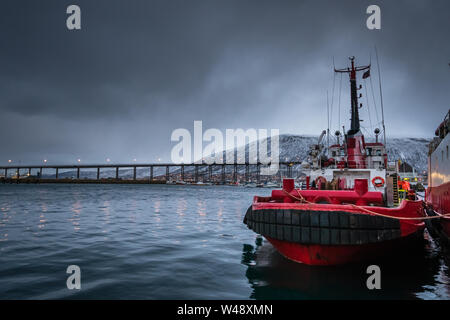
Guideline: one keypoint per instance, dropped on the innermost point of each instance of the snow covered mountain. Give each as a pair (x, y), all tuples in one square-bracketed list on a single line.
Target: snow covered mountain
[(295, 148), (411, 150)]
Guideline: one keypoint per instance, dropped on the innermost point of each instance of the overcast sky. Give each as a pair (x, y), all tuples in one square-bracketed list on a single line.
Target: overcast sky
[(137, 70)]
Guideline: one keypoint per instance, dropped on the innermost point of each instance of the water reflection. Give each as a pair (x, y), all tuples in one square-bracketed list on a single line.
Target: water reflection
[(201, 218), (197, 232), (157, 206), (181, 209), (42, 219), (156, 217), (272, 276), (157, 210), (106, 217), (220, 210), (181, 206), (76, 211), (201, 208), (133, 210), (5, 216), (441, 288)]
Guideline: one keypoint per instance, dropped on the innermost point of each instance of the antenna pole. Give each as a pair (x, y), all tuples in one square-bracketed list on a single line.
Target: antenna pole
[(355, 124), (381, 96), (328, 124)]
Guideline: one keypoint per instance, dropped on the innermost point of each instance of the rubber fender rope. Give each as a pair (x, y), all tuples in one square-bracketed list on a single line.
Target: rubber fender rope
[(324, 236), (322, 219), (317, 234)]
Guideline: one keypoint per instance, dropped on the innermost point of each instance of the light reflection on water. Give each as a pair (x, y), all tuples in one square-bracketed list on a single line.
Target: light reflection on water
[(175, 242), (76, 211)]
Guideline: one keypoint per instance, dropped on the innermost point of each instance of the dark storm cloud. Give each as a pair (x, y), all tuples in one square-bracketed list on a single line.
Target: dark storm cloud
[(139, 69)]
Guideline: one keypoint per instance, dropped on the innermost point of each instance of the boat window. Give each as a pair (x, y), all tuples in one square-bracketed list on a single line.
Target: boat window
[(378, 152)]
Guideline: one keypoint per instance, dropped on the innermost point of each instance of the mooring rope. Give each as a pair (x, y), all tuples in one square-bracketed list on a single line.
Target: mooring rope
[(438, 215)]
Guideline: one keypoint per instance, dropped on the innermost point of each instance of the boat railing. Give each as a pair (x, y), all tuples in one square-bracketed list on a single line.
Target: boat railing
[(367, 165)]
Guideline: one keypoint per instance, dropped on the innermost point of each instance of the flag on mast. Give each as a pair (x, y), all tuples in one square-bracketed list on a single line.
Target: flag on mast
[(366, 74)]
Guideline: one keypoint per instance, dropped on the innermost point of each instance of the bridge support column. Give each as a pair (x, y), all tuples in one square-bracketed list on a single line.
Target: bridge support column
[(134, 173), (167, 173), (258, 173), (6, 173), (235, 173), (29, 171), (40, 172), (196, 173), (98, 173), (78, 173), (247, 172), (117, 173), (151, 173), (223, 174), (56, 173), (182, 173)]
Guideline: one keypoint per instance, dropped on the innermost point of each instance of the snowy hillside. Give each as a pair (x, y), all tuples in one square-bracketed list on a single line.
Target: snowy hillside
[(411, 150)]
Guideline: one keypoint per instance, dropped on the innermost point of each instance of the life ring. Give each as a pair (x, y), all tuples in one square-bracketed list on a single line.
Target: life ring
[(378, 182)]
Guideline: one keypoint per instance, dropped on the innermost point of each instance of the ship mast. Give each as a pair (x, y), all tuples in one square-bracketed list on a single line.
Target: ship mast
[(354, 125), (354, 140)]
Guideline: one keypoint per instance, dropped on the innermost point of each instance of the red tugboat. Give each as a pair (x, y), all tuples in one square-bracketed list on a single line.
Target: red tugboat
[(348, 212), (438, 191)]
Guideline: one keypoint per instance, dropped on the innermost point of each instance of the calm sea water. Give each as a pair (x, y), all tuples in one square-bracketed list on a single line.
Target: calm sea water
[(175, 242)]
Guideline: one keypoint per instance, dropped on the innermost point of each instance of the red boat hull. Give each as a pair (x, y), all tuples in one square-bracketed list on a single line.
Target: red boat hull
[(438, 198), (319, 255), (334, 234)]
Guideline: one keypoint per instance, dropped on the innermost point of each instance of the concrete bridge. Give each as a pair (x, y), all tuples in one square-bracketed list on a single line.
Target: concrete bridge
[(13, 173)]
